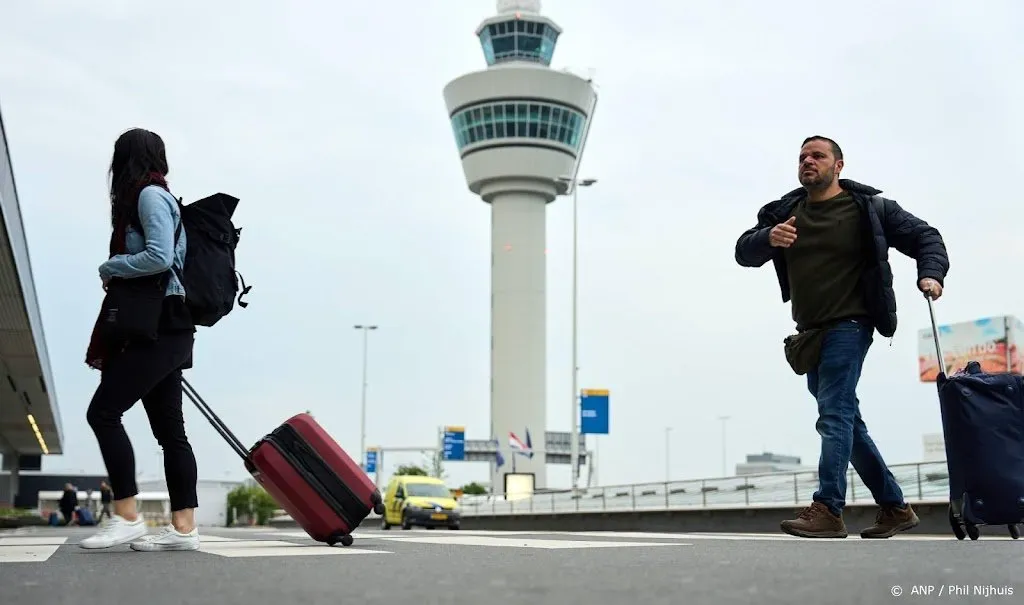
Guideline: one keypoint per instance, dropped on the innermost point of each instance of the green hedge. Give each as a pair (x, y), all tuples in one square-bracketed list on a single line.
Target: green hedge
[(250, 501)]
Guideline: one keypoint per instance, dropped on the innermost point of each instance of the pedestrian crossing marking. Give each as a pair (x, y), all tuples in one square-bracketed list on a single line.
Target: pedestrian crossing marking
[(279, 548), (522, 542), (36, 548), (639, 535), (779, 537), (208, 538), (22, 549), (33, 541), (501, 539)]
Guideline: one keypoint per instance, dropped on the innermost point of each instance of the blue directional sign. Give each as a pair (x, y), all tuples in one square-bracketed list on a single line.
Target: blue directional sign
[(594, 411), (453, 443), (371, 461)]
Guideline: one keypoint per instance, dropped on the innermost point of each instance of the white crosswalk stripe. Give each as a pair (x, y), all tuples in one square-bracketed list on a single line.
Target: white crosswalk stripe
[(279, 548), (779, 537), (25, 549), (497, 539), (637, 535), (36, 548), (510, 542)]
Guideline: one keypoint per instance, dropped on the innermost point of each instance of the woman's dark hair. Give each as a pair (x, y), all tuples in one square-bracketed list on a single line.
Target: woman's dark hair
[(140, 159)]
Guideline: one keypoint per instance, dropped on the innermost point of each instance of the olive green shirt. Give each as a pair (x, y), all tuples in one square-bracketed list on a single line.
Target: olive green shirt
[(826, 262)]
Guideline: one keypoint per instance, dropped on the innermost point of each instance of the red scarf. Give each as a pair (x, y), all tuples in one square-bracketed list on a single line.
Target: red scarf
[(99, 349)]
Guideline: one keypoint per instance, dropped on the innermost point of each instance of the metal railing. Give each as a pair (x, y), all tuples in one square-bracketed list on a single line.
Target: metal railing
[(922, 481)]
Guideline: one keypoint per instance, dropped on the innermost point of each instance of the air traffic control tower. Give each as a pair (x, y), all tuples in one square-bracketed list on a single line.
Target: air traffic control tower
[(519, 126)]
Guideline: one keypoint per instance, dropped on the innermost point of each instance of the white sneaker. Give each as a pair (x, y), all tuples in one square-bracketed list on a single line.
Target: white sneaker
[(168, 539), (114, 531)]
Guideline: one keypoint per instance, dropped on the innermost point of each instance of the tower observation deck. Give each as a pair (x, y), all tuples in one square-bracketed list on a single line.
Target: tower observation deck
[(519, 126)]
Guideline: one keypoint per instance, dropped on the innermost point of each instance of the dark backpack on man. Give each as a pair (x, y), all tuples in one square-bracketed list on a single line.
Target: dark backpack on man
[(209, 276)]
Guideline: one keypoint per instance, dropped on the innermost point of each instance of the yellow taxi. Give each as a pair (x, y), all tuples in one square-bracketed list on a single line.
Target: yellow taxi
[(423, 501)]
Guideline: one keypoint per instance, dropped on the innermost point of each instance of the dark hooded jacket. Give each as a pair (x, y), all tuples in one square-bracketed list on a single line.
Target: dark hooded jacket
[(886, 225)]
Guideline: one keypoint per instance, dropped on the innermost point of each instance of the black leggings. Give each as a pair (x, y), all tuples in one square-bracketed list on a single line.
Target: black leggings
[(150, 371)]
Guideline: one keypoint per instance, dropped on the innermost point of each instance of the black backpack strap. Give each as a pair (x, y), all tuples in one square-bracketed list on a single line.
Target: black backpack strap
[(177, 236), (244, 290)]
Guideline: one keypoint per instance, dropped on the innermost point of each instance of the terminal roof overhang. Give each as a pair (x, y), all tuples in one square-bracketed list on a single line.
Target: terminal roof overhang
[(29, 417)]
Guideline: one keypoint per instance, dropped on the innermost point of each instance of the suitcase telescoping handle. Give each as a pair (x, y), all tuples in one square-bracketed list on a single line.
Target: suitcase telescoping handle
[(935, 335), (214, 419)]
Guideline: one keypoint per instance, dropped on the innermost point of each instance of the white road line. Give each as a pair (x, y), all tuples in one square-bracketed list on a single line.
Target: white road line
[(521, 542), (773, 537), (461, 532), (208, 538), (450, 537), (36, 541), (742, 537), (500, 539), (29, 550), (276, 548)]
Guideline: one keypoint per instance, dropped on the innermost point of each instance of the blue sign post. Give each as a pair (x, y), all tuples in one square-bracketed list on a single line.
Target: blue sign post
[(594, 411), (453, 443), (371, 461)]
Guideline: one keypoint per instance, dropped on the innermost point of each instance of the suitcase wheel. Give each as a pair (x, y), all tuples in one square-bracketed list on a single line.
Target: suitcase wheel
[(345, 540), (958, 528), (1014, 531)]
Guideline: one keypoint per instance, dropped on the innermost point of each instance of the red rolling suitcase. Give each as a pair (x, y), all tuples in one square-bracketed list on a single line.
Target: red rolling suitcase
[(307, 473)]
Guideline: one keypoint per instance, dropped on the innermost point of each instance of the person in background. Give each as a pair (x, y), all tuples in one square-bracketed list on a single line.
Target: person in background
[(105, 497), (68, 503), (146, 241), (829, 243)]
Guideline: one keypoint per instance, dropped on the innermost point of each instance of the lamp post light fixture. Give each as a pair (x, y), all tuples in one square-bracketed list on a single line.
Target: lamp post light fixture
[(362, 422), (573, 185)]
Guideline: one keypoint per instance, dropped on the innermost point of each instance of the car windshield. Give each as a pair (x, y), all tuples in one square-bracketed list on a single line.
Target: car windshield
[(427, 490)]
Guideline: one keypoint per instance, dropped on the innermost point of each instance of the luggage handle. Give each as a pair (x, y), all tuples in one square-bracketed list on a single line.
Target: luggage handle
[(214, 419), (935, 335)]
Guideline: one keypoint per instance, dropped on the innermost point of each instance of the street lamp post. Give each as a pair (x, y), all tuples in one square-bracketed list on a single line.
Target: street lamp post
[(724, 419), (574, 438), (668, 458), (362, 421)]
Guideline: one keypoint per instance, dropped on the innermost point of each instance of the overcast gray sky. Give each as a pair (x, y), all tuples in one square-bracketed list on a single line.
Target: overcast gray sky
[(327, 120)]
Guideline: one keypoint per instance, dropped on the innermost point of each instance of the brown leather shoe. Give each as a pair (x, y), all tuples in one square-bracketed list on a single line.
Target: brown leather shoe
[(815, 521), (891, 520)]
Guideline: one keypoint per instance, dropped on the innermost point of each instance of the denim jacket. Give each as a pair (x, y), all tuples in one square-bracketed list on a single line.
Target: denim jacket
[(153, 251)]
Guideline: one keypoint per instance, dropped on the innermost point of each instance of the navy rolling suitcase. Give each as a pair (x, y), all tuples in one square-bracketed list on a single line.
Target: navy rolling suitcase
[(983, 427)]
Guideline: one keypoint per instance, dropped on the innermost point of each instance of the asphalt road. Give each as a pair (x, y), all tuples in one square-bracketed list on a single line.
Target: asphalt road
[(484, 567)]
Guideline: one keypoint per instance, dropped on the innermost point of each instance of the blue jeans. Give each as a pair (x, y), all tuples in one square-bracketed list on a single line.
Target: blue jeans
[(844, 436)]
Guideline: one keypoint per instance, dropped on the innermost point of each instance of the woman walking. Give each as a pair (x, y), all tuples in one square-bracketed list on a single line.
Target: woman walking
[(147, 251)]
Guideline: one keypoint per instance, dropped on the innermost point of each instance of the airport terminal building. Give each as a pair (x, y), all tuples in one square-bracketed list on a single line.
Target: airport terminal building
[(30, 425)]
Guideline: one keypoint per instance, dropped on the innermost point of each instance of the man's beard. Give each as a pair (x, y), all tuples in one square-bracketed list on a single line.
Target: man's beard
[(818, 182)]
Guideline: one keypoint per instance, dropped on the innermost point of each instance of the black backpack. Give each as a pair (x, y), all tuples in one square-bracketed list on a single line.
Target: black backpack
[(209, 274)]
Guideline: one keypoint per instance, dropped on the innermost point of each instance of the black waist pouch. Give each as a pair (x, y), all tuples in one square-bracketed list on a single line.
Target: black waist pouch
[(803, 349), (132, 307)]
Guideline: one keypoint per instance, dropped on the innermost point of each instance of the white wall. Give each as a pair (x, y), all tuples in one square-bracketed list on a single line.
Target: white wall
[(213, 499)]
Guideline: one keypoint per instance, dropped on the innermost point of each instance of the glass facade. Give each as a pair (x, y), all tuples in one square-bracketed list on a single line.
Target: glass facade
[(518, 40), (520, 120)]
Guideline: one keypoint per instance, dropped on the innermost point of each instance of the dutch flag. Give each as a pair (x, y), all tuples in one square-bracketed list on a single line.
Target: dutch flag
[(524, 449)]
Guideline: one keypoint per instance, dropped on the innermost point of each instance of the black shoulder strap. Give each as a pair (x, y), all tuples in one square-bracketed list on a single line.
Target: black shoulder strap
[(177, 236)]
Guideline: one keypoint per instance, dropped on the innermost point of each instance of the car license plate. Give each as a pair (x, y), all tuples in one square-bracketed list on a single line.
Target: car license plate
[(439, 516)]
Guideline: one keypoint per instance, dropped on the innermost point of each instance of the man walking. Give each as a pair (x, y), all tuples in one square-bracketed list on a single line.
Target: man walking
[(68, 503), (106, 495), (829, 243)]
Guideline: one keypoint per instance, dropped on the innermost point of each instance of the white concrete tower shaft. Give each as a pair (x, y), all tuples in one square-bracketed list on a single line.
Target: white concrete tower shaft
[(518, 127)]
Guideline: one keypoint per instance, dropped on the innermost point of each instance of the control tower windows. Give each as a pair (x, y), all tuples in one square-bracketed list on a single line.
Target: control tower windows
[(518, 119), (518, 40)]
